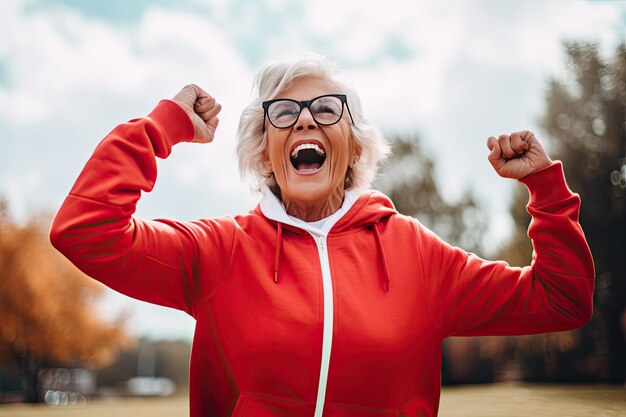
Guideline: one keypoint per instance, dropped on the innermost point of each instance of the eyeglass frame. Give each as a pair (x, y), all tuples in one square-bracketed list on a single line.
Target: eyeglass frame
[(306, 104)]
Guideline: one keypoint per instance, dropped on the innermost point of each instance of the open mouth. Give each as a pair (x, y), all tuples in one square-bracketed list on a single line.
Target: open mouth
[(307, 157)]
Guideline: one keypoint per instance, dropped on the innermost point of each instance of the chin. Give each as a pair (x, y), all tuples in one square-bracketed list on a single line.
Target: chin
[(307, 192)]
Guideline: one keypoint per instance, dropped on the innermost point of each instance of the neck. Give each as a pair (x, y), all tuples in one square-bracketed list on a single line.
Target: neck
[(316, 210)]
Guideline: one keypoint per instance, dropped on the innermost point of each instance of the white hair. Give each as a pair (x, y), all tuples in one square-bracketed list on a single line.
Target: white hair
[(269, 82)]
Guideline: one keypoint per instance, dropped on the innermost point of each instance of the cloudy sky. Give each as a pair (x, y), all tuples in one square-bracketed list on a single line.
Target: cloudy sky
[(451, 72)]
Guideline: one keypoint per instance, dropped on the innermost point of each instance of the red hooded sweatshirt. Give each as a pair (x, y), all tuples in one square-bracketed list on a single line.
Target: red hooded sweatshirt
[(294, 320)]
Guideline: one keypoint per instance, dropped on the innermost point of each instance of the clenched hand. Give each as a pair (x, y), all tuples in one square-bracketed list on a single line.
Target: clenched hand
[(517, 155), (202, 109)]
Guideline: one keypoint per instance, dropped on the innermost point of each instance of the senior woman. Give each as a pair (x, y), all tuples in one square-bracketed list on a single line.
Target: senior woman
[(323, 300)]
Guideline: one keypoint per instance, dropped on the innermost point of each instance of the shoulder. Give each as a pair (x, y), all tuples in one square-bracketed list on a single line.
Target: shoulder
[(233, 223), (394, 222), (213, 228)]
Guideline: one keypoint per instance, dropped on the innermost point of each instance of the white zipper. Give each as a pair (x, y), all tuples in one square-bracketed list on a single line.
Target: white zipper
[(273, 209), (327, 335)]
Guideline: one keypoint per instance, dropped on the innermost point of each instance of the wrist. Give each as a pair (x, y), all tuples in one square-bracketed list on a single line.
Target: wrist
[(546, 185), (174, 122)]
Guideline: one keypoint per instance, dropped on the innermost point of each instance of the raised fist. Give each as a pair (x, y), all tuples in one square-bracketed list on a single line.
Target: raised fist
[(202, 109), (517, 155)]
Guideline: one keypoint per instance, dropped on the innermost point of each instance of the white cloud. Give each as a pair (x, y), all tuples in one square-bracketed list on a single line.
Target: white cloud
[(400, 97), (531, 38), (55, 57), (79, 71)]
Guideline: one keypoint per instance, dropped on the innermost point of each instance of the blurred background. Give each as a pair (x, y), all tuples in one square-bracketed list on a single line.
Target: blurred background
[(437, 77)]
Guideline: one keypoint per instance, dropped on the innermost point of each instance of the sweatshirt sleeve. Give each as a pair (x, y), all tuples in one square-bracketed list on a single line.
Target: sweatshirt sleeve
[(470, 296), (154, 261)]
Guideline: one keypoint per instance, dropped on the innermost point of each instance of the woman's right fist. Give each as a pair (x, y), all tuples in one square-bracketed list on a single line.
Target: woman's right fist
[(202, 109)]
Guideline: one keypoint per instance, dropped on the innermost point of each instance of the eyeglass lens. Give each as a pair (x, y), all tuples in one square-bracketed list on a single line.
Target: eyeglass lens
[(326, 110)]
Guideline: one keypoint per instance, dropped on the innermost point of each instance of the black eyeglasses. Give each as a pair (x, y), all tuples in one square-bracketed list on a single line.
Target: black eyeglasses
[(326, 110)]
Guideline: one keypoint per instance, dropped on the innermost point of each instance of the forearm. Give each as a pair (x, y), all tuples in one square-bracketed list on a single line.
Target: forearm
[(124, 162), (562, 262)]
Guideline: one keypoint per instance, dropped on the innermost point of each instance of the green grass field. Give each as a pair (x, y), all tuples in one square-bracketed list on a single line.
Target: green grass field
[(500, 400)]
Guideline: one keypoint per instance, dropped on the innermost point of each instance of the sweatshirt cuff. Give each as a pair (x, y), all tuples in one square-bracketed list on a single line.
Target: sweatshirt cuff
[(547, 185), (173, 121)]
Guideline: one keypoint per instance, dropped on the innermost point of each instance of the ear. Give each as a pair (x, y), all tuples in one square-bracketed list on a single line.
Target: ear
[(267, 163), (356, 152)]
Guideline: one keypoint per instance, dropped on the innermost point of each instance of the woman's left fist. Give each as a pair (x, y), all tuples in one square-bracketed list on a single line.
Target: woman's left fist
[(517, 155)]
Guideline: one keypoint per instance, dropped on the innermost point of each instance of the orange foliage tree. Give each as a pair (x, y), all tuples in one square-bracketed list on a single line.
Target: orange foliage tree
[(46, 314)]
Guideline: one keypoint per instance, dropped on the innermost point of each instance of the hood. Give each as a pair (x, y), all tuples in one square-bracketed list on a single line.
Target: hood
[(368, 210), (359, 209)]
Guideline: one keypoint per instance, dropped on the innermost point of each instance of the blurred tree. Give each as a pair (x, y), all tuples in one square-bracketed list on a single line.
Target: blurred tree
[(173, 361), (149, 358), (585, 121), (408, 179), (45, 307)]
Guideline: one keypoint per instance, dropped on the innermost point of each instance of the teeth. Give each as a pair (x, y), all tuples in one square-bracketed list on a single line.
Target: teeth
[(298, 148)]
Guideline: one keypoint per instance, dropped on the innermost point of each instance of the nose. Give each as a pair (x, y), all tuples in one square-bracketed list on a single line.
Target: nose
[(305, 120)]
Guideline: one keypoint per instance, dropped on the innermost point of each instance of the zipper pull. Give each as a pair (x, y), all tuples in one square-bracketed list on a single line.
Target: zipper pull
[(322, 243)]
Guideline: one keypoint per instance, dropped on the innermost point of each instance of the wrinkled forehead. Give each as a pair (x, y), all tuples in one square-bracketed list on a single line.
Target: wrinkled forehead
[(306, 88)]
